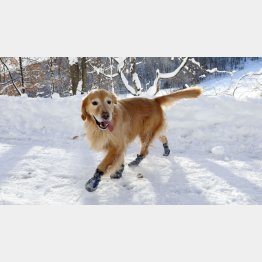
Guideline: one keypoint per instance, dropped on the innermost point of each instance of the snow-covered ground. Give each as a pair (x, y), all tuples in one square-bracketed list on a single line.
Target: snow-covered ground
[(248, 86), (215, 141)]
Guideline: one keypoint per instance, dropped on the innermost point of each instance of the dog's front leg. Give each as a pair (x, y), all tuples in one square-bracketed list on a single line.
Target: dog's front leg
[(112, 161)]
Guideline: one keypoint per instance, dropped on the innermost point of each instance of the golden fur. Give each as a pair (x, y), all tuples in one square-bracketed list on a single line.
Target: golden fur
[(130, 118)]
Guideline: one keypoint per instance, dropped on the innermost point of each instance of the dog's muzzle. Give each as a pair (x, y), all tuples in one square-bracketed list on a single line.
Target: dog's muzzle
[(104, 124)]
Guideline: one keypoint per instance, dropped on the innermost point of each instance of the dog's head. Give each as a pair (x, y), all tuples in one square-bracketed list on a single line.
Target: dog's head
[(98, 106)]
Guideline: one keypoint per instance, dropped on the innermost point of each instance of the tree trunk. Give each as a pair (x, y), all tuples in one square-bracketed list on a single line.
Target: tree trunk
[(52, 74), (133, 71), (84, 74), (74, 75), (4, 75), (111, 73), (172, 75), (22, 74)]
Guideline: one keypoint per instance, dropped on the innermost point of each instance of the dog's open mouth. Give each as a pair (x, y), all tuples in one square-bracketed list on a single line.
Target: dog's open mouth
[(104, 125)]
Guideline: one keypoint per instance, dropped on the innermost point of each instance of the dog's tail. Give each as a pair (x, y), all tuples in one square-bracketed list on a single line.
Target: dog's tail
[(185, 93)]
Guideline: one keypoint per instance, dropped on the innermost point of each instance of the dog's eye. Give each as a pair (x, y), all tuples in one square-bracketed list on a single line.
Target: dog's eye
[(109, 102), (94, 103)]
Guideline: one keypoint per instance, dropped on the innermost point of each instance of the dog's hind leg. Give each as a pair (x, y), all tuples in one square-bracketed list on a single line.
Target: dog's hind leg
[(146, 140), (164, 141)]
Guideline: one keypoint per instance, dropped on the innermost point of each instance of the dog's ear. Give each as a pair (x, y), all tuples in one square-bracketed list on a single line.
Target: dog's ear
[(83, 110), (114, 98)]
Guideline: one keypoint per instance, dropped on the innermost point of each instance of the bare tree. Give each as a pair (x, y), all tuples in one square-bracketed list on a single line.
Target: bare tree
[(22, 74), (132, 74), (136, 87), (255, 77), (111, 74), (171, 75), (84, 74), (74, 74), (135, 80), (101, 72), (52, 69), (63, 69), (16, 88)]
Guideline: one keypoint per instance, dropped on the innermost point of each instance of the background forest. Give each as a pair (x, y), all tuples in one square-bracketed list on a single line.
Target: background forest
[(44, 76)]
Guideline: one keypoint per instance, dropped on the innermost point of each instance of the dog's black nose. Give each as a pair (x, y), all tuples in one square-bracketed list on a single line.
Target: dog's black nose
[(105, 115)]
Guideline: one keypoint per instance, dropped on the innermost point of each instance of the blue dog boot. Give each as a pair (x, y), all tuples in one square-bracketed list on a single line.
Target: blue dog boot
[(92, 184), (118, 173), (166, 149), (137, 161)]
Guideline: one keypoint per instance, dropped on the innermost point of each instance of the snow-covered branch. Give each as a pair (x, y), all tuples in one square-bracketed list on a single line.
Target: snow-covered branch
[(245, 76), (121, 62), (195, 62), (137, 87), (125, 81), (143, 59), (101, 71), (210, 71), (136, 84), (215, 70), (72, 60), (171, 75)]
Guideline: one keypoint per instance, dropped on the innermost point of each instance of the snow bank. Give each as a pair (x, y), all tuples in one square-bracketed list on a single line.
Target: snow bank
[(195, 125), (245, 87), (40, 118), (207, 122)]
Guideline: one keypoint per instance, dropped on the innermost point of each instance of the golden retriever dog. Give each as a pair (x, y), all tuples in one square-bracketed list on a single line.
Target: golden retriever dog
[(112, 124)]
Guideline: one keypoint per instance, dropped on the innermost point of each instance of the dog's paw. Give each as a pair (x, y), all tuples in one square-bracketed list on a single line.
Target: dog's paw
[(166, 149), (92, 184), (137, 161), (133, 164), (118, 173), (167, 152)]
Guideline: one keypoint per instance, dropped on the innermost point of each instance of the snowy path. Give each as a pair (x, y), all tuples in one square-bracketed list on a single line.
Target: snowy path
[(42, 173), (216, 155)]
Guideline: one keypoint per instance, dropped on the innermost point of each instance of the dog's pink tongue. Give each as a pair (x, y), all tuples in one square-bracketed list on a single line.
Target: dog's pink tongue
[(110, 126)]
